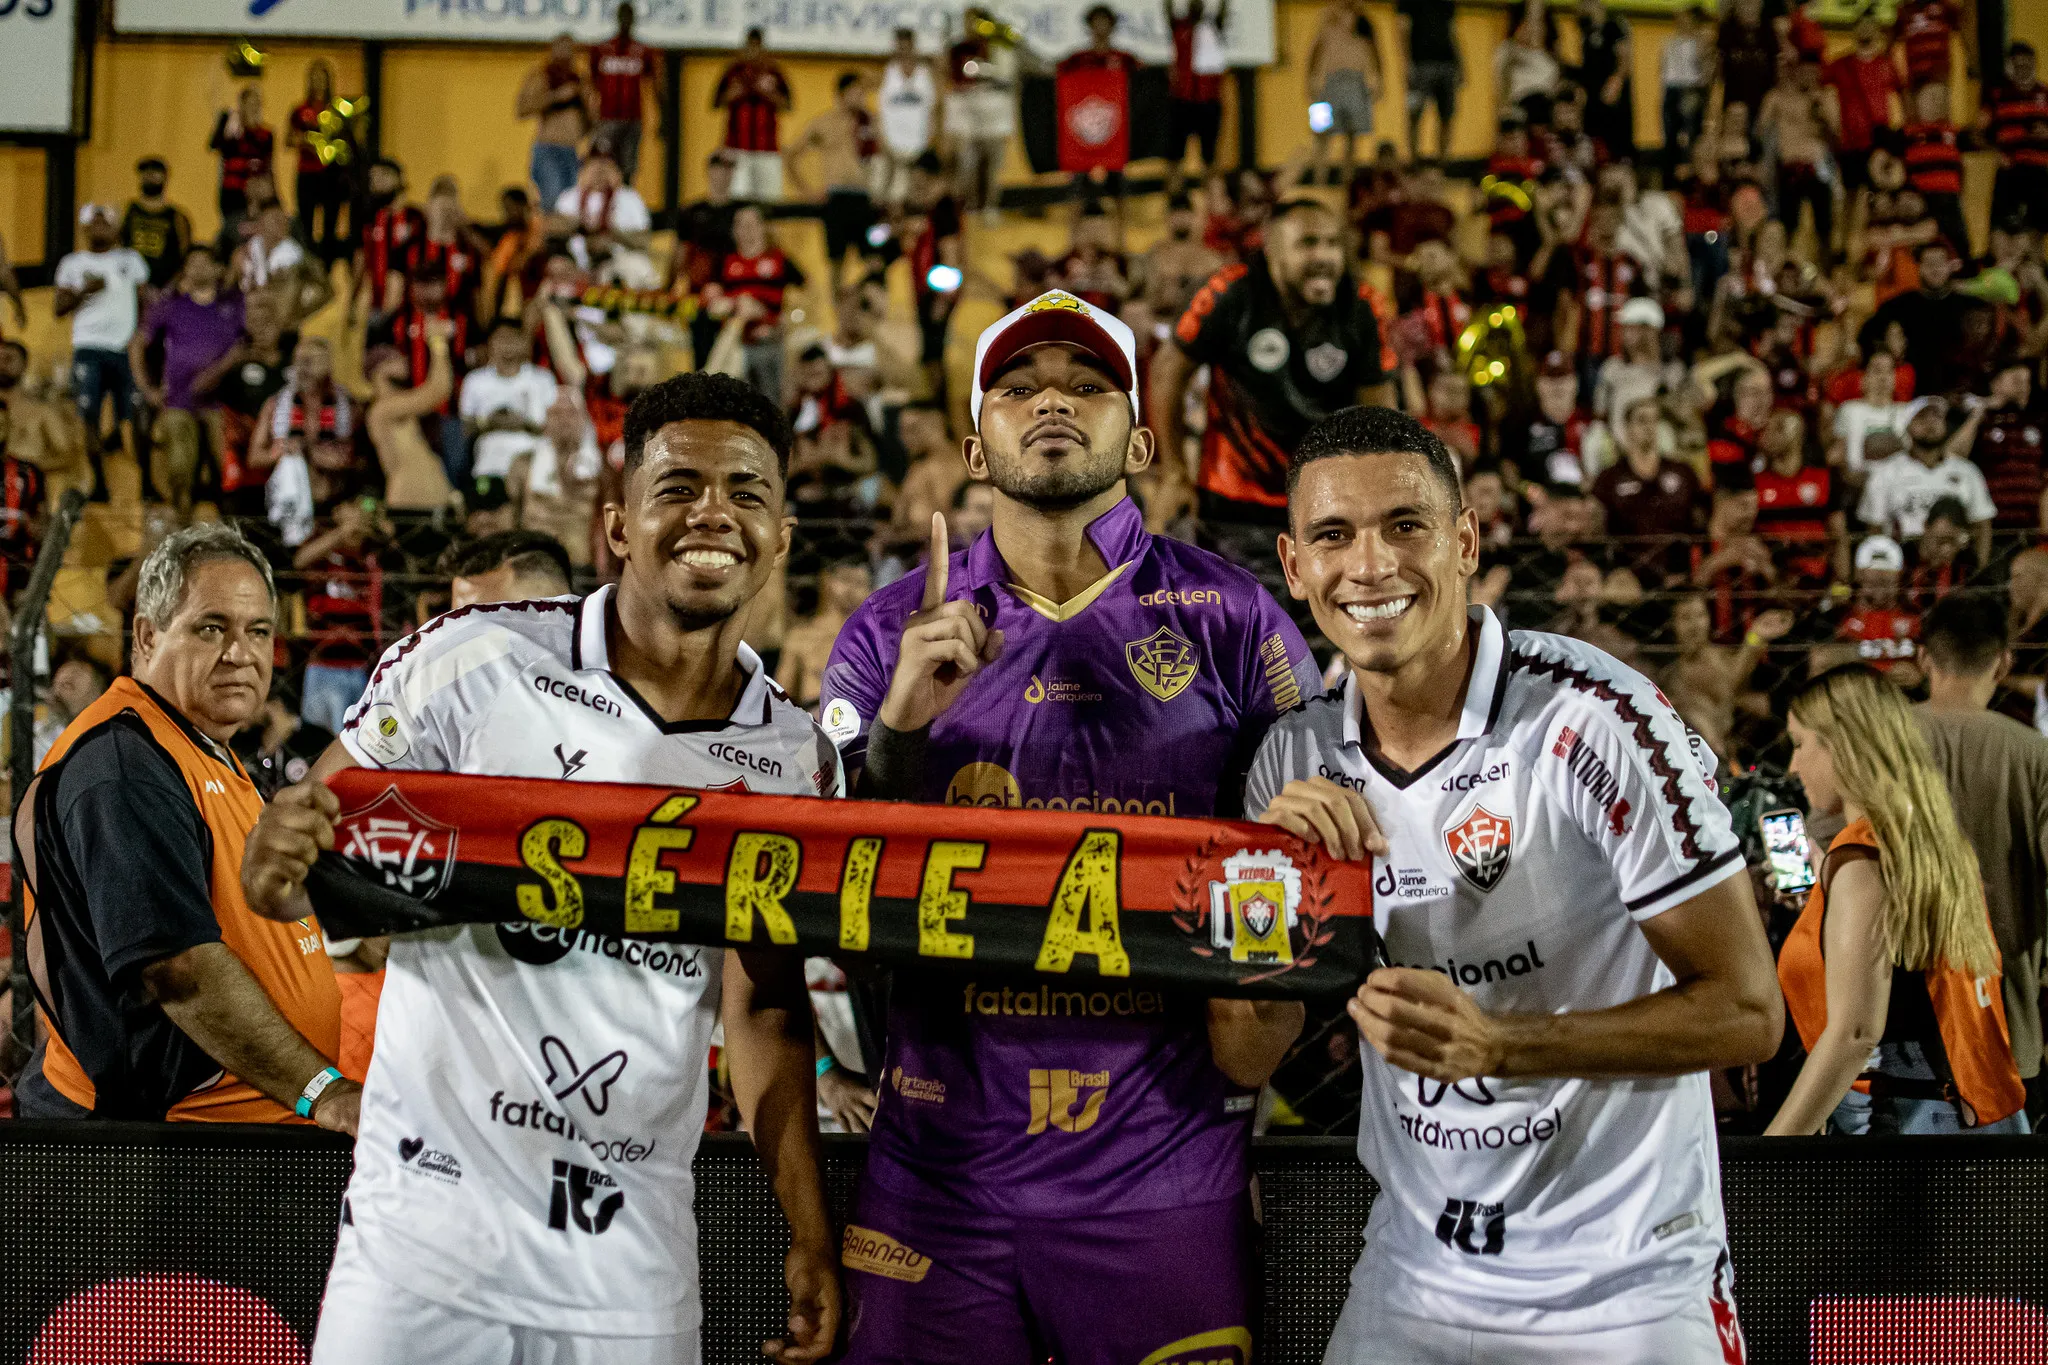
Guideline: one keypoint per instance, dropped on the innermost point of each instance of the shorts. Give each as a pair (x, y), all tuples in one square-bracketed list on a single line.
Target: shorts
[(985, 113), (366, 1321), (96, 377), (756, 176), (931, 330), (939, 1284), (1350, 102), (1435, 83), (1855, 168), (848, 214), (1201, 120), (1370, 1333)]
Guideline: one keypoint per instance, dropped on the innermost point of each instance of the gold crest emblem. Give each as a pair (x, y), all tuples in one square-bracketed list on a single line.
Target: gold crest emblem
[(1163, 662), (1056, 299)]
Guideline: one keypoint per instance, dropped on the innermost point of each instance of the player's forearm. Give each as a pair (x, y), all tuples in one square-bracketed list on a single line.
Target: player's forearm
[(769, 1034), (1698, 1025), (1249, 1038), (212, 998)]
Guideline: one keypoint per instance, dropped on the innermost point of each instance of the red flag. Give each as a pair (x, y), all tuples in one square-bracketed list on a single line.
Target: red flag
[(1093, 101)]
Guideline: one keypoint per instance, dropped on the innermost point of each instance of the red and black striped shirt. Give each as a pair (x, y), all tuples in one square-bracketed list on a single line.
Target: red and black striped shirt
[(765, 278), (242, 156), (2019, 124), (617, 66), (387, 237), (1792, 510), (409, 334), (1605, 284), (1934, 160), (1923, 28), (753, 95), (2009, 451), (458, 265)]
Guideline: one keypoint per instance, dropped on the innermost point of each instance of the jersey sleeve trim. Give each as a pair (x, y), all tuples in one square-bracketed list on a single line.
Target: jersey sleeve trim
[(1675, 893), (397, 653)]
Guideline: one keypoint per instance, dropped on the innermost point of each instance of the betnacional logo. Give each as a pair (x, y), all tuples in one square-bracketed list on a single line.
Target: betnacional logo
[(392, 843), (1255, 906), (1482, 844), (1163, 662), (984, 784)]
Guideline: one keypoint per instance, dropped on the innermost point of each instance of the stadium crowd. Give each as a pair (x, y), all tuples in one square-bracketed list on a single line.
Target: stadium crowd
[(1733, 410)]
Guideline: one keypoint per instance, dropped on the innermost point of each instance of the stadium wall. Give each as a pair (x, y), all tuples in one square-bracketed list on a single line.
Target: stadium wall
[(122, 1244)]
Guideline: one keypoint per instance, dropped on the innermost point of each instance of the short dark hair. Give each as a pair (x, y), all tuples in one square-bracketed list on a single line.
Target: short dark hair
[(2017, 48), (1375, 431), (754, 35), (507, 323), (524, 552), (1965, 633), (1093, 10), (1950, 510), (513, 194), (901, 33), (152, 163), (702, 397)]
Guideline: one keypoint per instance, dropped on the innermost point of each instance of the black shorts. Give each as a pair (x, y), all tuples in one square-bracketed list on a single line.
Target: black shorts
[(932, 329), (1201, 120), (1855, 169), (848, 214)]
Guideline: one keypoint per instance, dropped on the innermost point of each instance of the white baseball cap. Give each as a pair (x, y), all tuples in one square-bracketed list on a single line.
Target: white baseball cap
[(88, 212), (1642, 313), (1057, 316), (1880, 552)]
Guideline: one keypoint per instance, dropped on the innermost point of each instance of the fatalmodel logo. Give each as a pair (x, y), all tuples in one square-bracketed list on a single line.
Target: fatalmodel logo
[(565, 1078), (570, 1201)]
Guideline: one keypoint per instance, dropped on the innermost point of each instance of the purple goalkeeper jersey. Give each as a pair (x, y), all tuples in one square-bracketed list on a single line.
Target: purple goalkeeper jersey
[(1148, 693)]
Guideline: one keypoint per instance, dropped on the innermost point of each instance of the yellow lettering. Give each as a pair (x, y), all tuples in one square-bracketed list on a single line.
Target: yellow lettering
[(1041, 1101), (1088, 886), (542, 848), (1056, 1091), (672, 810), (857, 892), (938, 901), (761, 871), (646, 878)]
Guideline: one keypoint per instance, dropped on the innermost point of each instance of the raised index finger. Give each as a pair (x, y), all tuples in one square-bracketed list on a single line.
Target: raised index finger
[(936, 564)]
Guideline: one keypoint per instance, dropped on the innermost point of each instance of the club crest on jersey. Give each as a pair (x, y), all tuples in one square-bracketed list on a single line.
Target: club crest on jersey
[(1482, 844), (1253, 910), (1055, 298), (1326, 362), (1163, 662), (390, 842)]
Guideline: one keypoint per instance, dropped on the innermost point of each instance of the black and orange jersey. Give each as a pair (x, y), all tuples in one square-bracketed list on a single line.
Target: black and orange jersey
[(1270, 381)]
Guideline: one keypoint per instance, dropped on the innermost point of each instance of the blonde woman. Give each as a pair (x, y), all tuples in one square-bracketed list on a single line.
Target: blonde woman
[(1891, 974)]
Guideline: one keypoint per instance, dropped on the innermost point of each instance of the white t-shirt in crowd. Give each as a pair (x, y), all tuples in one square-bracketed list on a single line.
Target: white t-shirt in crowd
[(105, 321), (530, 393), (1683, 63), (536, 1094), (1900, 490), (907, 105), (1856, 419), (1573, 807), (260, 265), (622, 210)]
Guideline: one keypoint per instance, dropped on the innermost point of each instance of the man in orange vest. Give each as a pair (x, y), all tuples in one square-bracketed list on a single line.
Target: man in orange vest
[(162, 995)]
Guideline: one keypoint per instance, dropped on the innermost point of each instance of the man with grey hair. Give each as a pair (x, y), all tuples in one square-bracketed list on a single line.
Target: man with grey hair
[(164, 997)]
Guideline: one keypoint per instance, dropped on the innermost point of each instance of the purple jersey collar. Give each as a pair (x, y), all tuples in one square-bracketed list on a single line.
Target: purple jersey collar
[(1118, 535)]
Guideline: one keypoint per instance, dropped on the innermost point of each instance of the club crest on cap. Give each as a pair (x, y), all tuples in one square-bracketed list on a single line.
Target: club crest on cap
[(1056, 299)]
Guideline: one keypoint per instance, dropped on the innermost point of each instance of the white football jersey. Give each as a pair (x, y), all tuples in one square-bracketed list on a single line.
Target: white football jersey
[(1573, 805), (536, 1095)]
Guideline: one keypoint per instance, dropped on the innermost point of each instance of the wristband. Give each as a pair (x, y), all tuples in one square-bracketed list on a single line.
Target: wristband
[(315, 1088), (1754, 640), (825, 1064)]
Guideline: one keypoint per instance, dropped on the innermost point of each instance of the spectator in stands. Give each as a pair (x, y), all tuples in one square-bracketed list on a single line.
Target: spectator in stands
[(704, 240), (452, 246), (621, 68), (1706, 681), (844, 582), (1930, 318), (1899, 490), (981, 108), (1894, 943), (1799, 117), (1875, 409), (1934, 163), (239, 385), (390, 226), (244, 145), (607, 223), (1997, 775), (1922, 29), (1652, 500), (278, 748), (1195, 85), (843, 139), (932, 227), (1177, 264), (559, 97), (46, 434), (1685, 68), (341, 608), (304, 443), (514, 566), (1436, 70), (21, 511), (197, 323), (98, 288), (509, 273), (1606, 58), (909, 98), (972, 512), (755, 95), (2002, 436), (555, 484), (154, 228), (1942, 558), (1801, 512), (409, 332), (1525, 69), (1746, 49), (1094, 268), (1639, 369), (2013, 118), (1547, 447), (1865, 82), (321, 186), (271, 261), (159, 978), (935, 474), (756, 269), (1345, 77), (1288, 339), (505, 402), (415, 478), (1879, 627)]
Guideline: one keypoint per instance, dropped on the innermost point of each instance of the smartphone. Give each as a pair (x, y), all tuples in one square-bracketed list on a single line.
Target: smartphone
[(1320, 118), (943, 278), (1786, 849)]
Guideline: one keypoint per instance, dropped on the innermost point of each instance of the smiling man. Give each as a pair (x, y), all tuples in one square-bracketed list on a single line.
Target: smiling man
[(1068, 1185), (165, 998), (502, 1210), (1576, 941)]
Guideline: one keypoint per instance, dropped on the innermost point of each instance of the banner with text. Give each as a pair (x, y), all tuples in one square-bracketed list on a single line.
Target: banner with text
[(38, 62), (1069, 901), (1051, 28)]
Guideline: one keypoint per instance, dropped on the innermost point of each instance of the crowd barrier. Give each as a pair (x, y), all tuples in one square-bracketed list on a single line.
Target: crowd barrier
[(126, 1244)]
